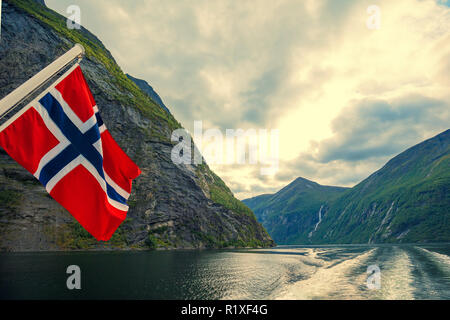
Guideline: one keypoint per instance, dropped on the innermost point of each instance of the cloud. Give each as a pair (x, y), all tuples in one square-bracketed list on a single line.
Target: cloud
[(345, 98), (365, 136), (377, 128)]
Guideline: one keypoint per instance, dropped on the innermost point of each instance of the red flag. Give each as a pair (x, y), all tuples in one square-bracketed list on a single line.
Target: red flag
[(61, 139)]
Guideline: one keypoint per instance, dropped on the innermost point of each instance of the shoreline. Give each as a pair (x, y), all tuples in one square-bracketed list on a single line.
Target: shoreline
[(281, 246)]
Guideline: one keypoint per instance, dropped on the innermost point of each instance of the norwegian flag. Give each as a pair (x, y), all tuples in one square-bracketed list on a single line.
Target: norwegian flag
[(61, 139)]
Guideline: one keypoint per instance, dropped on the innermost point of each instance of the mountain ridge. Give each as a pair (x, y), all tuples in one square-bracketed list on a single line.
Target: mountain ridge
[(148, 89), (407, 200)]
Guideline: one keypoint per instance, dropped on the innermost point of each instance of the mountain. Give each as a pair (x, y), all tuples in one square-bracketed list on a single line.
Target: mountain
[(148, 89), (171, 206), (290, 214), (407, 200)]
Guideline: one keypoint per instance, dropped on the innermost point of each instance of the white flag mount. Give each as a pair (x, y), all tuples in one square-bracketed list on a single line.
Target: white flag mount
[(19, 94)]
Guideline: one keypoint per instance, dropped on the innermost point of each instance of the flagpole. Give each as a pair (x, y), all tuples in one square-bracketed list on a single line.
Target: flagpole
[(19, 94)]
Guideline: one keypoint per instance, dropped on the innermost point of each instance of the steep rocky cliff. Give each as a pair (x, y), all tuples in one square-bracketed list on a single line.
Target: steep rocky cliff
[(172, 206)]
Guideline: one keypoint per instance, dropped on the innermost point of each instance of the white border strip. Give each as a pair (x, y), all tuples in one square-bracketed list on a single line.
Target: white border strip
[(82, 126), (16, 96), (80, 160), (39, 97), (53, 128)]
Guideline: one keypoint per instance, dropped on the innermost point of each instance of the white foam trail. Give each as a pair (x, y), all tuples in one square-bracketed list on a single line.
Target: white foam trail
[(292, 265), (396, 278), (328, 282), (442, 259)]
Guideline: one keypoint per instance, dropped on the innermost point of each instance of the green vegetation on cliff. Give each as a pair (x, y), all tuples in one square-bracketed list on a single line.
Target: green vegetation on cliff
[(408, 200)]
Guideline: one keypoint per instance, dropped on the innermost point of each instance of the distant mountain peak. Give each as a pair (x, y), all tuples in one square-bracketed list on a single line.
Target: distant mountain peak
[(301, 184), (148, 89), (304, 180)]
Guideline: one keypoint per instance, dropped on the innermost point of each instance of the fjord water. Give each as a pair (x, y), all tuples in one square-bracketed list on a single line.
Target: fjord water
[(284, 272)]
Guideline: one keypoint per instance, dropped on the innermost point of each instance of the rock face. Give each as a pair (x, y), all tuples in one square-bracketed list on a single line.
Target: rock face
[(172, 206), (408, 200)]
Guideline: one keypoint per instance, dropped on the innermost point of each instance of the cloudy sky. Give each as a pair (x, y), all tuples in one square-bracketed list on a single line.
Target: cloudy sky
[(344, 97)]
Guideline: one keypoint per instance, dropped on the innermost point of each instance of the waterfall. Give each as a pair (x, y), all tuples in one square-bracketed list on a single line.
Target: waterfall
[(318, 222)]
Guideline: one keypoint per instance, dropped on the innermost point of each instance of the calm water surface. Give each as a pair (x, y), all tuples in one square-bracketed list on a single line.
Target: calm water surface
[(284, 272)]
